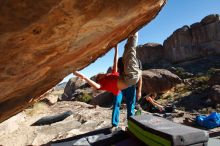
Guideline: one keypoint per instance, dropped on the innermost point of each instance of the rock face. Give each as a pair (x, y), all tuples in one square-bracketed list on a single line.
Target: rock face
[(198, 40), (43, 41), (150, 52), (72, 85), (158, 80)]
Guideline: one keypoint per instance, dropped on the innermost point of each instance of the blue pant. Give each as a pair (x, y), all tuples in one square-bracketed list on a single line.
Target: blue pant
[(130, 96)]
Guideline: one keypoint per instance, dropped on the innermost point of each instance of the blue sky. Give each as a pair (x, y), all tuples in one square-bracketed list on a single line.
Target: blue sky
[(175, 14)]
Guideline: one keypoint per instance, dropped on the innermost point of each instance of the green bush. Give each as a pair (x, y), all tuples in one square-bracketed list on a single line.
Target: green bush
[(181, 72), (85, 97)]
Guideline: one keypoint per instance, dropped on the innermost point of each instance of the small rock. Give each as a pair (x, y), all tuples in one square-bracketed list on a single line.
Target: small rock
[(218, 106), (204, 111)]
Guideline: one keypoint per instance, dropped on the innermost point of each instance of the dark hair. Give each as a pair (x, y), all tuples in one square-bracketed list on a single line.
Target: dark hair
[(99, 76), (120, 65)]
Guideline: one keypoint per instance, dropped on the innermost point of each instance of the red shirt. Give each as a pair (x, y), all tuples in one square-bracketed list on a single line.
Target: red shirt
[(109, 83)]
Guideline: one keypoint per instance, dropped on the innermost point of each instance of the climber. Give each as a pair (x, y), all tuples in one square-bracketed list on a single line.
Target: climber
[(131, 95), (113, 82), (152, 104)]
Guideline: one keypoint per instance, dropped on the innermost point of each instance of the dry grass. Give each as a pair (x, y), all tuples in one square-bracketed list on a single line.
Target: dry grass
[(37, 108)]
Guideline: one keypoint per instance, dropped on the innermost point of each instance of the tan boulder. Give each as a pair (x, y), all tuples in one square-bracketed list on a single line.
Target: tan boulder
[(158, 80), (43, 41)]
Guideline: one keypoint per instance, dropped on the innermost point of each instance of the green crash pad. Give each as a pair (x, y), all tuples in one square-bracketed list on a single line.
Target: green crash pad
[(157, 131)]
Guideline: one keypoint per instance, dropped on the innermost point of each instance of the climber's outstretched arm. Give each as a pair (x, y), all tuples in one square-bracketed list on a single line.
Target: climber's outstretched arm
[(115, 63), (152, 101), (88, 80)]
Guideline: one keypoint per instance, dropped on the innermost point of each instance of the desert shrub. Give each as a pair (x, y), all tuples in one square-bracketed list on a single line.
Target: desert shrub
[(202, 79), (85, 97), (168, 97), (181, 72), (212, 71), (37, 108)]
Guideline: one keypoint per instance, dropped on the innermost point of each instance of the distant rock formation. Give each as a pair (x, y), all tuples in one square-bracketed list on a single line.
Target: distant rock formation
[(150, 52), (41, 42), (60, 86), (198, 40)]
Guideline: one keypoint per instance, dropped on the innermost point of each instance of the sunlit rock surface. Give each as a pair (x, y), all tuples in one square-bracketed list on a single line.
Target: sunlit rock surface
[(150, 53), (159, 80), (43, 41), (201, 39), (197, 40)]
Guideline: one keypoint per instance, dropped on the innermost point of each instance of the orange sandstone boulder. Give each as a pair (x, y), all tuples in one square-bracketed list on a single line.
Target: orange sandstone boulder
[(43, 41)]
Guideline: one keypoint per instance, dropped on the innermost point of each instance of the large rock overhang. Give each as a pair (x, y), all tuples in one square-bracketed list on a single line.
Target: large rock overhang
[(43, 41)]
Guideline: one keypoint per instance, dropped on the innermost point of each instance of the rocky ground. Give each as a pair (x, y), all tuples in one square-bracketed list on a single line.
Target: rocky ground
[(191, 98), (194, 95), (17, 131)]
